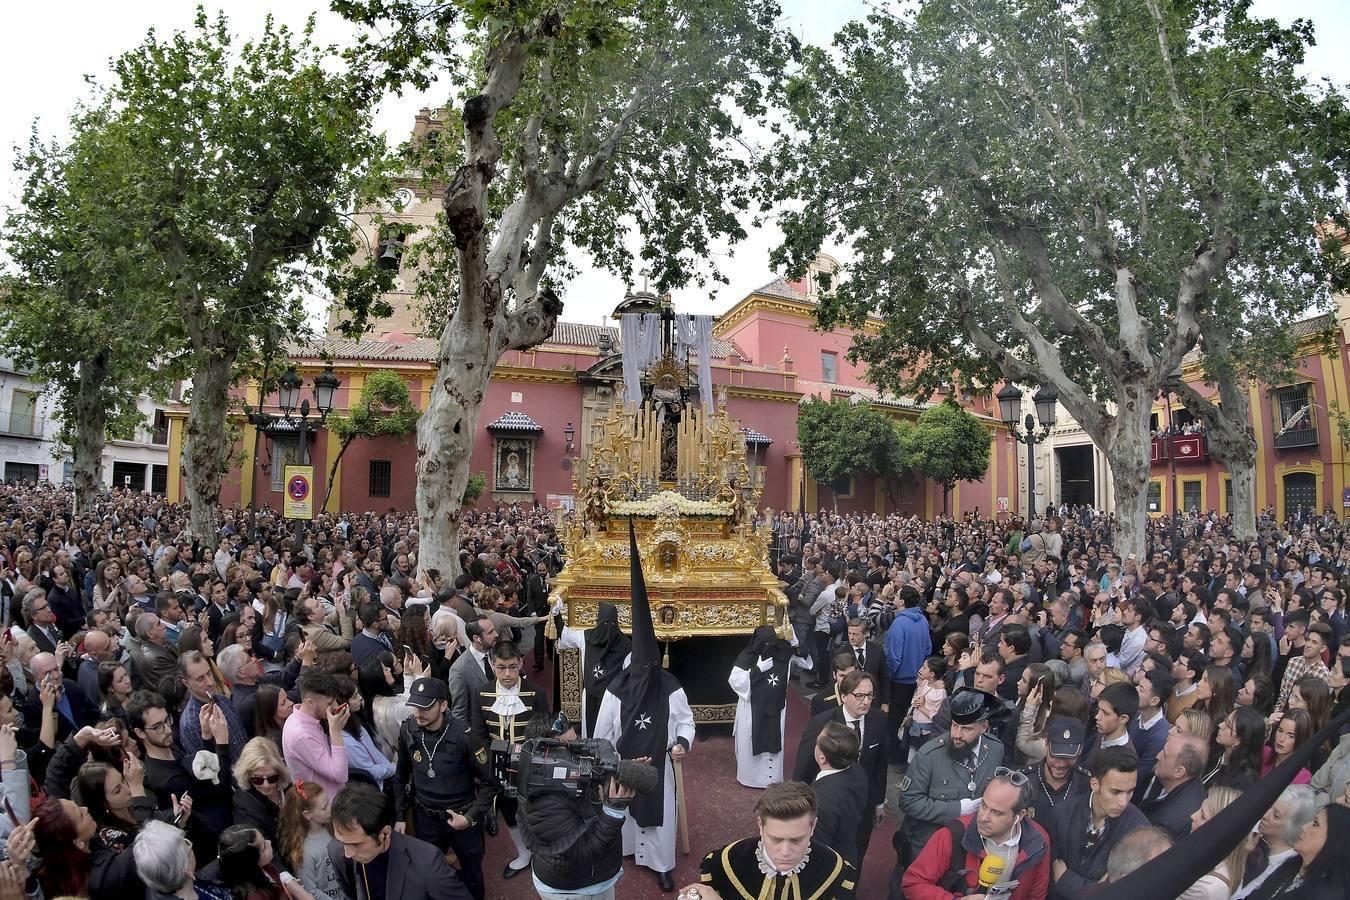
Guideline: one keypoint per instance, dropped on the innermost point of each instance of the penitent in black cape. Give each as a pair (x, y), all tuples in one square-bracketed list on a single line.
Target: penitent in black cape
[(606, 649), (643, 690), (768, 689)]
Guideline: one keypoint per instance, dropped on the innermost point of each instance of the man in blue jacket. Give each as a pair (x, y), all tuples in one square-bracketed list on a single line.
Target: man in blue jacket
[(908, 644)]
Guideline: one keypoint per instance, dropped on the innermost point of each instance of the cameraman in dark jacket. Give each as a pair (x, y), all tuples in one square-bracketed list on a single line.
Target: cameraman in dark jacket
[(575, 845)]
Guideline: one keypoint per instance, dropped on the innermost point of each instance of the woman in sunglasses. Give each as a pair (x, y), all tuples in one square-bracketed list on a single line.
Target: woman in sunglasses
[(262, 777)]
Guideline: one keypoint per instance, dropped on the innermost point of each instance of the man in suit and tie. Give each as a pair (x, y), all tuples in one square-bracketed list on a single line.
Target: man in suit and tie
[(472, 672), (843, 662), (841, 791), (41, 618), (536, 604), (365, 846), (1175, 791), (870, 658), (71, 713), (857, 693)]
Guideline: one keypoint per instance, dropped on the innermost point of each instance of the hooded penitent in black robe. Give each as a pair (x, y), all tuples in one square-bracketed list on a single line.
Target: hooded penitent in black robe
[(606, 649), (768, 689), (643, 690)]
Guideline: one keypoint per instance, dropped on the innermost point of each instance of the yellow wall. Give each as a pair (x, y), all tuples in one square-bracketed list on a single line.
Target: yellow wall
[(173, 490)]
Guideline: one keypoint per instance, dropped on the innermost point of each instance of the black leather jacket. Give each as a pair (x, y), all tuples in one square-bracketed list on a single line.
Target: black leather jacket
[(575, 843)]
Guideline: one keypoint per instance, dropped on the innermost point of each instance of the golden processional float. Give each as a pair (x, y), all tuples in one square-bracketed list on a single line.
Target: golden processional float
[(680, 471)]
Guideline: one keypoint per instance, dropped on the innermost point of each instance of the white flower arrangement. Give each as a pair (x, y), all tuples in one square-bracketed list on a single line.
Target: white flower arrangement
[(669, 503)]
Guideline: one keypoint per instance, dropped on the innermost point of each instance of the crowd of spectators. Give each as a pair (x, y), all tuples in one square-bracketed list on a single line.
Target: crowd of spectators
[(1125, 692), (189, 721)]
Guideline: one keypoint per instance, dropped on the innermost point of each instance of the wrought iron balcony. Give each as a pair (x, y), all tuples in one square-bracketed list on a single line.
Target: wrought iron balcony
[(1297, 438), (22, 423)]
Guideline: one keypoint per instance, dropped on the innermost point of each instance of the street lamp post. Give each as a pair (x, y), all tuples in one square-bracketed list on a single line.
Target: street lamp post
[(1010, 408), (297, 413)]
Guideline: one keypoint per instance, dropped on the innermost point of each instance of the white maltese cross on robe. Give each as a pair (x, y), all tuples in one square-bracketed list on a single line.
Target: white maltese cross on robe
[(643, 721), (598, 672), (772, 679)]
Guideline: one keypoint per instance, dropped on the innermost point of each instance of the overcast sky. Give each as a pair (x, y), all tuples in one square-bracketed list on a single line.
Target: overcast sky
[(46, 52)]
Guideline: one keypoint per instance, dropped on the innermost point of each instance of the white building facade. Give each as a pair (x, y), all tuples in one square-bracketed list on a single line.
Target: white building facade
[(30, 451)]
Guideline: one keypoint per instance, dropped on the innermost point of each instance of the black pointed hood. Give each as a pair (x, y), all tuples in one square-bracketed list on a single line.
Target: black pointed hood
[(643, 690), (646, 651)]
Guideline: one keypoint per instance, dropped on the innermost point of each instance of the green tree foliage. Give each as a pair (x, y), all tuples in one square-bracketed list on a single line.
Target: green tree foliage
[(79, 306), (384, 408), (948, 444), (582, 125), (1060, 193), (244, 159), (474, 488), (841, 438)]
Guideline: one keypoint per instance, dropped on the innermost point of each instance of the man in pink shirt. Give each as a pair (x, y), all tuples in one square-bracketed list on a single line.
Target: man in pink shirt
[(312, 737)]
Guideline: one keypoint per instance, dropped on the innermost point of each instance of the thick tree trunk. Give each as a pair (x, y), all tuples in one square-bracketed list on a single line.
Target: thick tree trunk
[(1243, 508), (204, 451), (445, 435), (1128, 451), (1235, 447), (89, 431), (1231, 441)]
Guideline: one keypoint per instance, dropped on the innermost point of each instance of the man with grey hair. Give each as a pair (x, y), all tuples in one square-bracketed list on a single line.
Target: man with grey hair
[(152, 654), (391, 598), (1175, 790), (1279, 829), (41, 618), (163, 858), (1135, 850), (242, 671), (71, 713)]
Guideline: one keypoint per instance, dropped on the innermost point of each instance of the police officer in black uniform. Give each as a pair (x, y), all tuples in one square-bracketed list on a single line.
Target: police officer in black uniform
[(446, 775), (501, 712)]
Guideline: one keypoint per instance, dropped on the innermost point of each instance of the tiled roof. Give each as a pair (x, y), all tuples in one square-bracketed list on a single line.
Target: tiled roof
[(414, 350), (565, 334), (874, 397), (754, 437), (871, 395), (1309, 327), (515, 421), (1304, 328), (780, 288), (577, 334)]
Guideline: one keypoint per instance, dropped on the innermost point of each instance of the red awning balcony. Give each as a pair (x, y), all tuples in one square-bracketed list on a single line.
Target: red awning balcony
[(1185, 447)]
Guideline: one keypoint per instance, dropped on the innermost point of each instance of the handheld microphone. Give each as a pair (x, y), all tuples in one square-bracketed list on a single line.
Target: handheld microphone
[(991, 871)]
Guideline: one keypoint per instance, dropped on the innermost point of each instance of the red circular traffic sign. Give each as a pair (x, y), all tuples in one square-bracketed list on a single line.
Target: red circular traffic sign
[(298, 488)]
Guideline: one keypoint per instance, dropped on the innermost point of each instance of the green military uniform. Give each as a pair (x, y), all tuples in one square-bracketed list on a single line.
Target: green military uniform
[(932, 790)]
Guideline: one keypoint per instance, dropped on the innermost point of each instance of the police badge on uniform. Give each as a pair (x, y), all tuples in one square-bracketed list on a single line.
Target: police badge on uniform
[(481, 755)]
